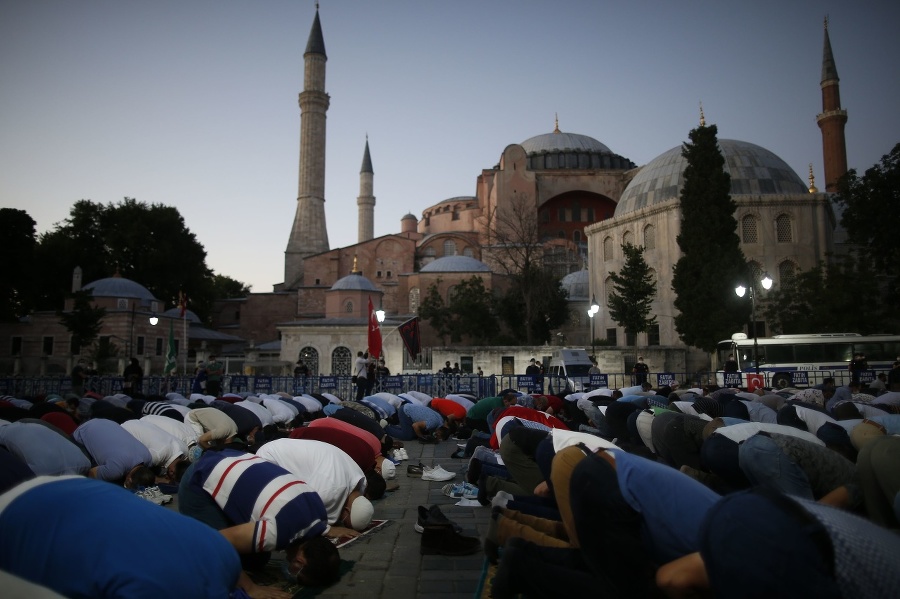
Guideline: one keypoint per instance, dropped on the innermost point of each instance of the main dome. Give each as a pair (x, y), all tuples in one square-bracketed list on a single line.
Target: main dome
[(563, 142), (754, 170)]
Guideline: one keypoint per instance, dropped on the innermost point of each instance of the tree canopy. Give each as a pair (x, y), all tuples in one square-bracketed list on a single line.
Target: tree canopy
[(17, 229), (469, 315), (712, 262), (633, 292)]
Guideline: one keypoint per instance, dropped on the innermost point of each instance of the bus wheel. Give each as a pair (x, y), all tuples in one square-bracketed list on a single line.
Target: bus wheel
[(780, 381)]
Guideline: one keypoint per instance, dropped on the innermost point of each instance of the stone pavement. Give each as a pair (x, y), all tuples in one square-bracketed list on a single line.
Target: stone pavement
[(388, 564)]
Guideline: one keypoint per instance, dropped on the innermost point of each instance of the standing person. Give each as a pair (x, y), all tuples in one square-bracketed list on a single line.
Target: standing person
[(534, 370), (81, 373), (731, 364), (134, 378), (360, 371), (301, 369), (447, 369), (199, 384), (640, 371), (480, 372), (857, 365), (214, 372)]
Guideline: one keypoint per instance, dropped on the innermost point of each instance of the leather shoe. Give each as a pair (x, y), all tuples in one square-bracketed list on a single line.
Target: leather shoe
[(443, 540), (434, 517), (415, 471)]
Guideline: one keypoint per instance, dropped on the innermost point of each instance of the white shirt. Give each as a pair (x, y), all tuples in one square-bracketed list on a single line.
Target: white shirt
[(264, 415), (181, 430), (163, 447), (325, 468), (309, 402), (282, 411)]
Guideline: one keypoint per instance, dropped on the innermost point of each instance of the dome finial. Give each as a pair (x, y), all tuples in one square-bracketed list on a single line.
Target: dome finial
[(354, 271), (812, 180), (702, 118), (556, 122)]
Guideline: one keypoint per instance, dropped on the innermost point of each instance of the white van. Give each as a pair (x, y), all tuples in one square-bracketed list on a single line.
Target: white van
[(569, 371)]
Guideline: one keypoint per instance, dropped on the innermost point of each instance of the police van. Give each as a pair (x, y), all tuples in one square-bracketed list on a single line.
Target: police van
[(569, 371)]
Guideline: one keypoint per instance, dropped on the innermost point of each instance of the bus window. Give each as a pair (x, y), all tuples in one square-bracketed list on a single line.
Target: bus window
[(836, 353), (779, 354), (809, 353), (873, 351)]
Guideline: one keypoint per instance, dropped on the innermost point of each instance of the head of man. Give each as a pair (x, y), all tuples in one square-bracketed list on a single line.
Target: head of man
[(315, 562), (357, 512), (509, 400), (375, 484), (140, 476), (541, 403)]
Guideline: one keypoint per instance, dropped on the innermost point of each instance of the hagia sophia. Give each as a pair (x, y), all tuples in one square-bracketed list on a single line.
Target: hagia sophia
[(588, 201)]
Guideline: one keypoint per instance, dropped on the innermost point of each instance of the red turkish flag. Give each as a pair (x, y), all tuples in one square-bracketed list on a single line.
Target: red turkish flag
[(755, 381), (374, 333)]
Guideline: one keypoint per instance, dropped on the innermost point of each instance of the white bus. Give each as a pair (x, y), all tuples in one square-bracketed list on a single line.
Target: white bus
[(805, 360)]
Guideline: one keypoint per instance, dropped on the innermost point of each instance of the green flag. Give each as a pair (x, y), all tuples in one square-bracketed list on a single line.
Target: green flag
[(170, 352)]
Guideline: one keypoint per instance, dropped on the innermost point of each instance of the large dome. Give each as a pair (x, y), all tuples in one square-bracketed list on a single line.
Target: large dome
[(354, 282), (563, 142), (120, 287), (754, 170), (456, 264)]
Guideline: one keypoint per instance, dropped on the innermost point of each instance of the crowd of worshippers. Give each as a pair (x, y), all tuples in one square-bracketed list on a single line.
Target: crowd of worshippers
[(253, 473), (642, 492)]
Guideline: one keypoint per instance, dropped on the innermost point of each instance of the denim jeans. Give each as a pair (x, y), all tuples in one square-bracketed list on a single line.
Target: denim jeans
[(766, 465)]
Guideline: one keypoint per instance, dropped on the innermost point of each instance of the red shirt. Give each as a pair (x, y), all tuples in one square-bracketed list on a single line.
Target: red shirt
[(448, 407)]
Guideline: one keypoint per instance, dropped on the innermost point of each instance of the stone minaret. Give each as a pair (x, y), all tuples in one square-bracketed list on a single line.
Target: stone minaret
[(309, 234), (832, 120), (366, 199)]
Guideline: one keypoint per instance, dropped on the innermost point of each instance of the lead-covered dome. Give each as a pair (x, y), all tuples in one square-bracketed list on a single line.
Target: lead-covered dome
[(456, 264), (353, 282), (118, 286), (563, 142), (754, 170), (576, 284), (571, 151)]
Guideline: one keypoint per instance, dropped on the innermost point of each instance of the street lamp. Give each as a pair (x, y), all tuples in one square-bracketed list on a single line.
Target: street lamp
[(592, 311), (379, 313), (740, 290)]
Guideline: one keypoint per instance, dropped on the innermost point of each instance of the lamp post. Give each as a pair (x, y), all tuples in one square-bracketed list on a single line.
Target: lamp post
[(740, 290), (592, 311)]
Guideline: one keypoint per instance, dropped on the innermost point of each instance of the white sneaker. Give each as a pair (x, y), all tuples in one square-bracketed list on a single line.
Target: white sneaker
[(438, 474), (402, 451), (158, 496), (398, 455)]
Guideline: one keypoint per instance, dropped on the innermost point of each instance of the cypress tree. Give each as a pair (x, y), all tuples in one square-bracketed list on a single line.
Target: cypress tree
[(712, 263), (633, 292)]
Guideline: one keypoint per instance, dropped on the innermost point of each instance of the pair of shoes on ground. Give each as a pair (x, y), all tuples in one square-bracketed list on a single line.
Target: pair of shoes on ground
[(154, 494), (426, 473), (460, 490), (440, 536), (433, 516), (399, 455)]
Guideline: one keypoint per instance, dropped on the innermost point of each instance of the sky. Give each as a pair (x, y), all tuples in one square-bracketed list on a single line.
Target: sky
[(193, 103)]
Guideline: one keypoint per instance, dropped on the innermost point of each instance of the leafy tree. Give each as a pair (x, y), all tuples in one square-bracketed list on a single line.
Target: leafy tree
[(472, 313), (433, 311), (17, 265), (633, 292), (712, 262), (517, 250), (84, 321), (226, 288)]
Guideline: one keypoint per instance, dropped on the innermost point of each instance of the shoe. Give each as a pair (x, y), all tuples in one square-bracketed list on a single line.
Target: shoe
[(460, 491), (459, 454), (443, 540), (154, 494), (414, 471), (403, 453), (474, 471), (438, 474), (397, 455), (433, 516)]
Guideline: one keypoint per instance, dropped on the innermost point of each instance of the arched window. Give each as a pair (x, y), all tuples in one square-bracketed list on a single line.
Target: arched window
[(783, 229), (650, 237), (756, 273), (576, 236), (348, 307), (451, 293), (607, 289), (651, 274), (310, 357), (468, 253), (414, 300), (449, 248), (607, 249), (341, 361), (430, 252), (628, 237), (749, 229), (787, 272)]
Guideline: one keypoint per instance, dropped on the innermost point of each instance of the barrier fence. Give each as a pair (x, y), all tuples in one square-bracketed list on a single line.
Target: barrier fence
[(435, 385)]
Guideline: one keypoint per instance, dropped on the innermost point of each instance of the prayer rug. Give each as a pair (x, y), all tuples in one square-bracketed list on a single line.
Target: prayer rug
[(373, 526)]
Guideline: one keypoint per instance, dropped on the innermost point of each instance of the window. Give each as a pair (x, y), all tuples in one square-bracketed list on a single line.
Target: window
[(414, 300), (451, 293), (310, 357), (388, 274), (455, 215), (650, 237), (608, 286), (341, 361), (377, 274), (47, 346), (562, 215), (16, 346), (611, 336), (607, 249), (628, 238), (749, 229), (348, 307), (140, 346), (787, 270), (74, 349), (468, 253), (653, 335), (449, 248), (159, 346), (430, 252), (576, 212), (507, 365), (576, 236), (783, 229), (630, 339), (590, 215)]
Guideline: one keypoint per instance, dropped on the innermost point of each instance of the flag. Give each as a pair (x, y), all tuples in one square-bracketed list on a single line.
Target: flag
[(170, 352), (374, 333), (182, 303), (409, 332), (755, 381)]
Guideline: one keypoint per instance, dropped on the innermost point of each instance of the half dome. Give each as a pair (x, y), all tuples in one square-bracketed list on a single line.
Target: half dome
[(456, 264), (754, 170), (353, 282)]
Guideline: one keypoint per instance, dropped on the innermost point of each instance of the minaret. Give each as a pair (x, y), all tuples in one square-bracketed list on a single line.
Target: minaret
[(309, 234), (832, 120), (366, 199)]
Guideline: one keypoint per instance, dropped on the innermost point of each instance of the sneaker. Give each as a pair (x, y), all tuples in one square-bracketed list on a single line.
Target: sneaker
[(159, 497), (443, 540), (460, 491), (438, 474), (397, 455), (433, 516), (405, 455)]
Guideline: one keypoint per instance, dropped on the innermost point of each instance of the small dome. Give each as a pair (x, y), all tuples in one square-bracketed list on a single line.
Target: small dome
[(354, 282), (410, 215), (577, 284), (456, 264), (753, 169), (120, 287), (189, 315), (563, 142)]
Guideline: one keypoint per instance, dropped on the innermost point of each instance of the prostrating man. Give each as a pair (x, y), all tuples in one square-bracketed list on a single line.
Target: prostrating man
[(119, 457)]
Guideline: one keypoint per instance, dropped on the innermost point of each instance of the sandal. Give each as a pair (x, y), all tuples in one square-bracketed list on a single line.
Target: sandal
[(460, 490)]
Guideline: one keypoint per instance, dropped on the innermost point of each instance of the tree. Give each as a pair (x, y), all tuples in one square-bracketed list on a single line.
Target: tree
[(433, 311), (226, 288), (712, 262), (633, 292), (17, 267), (469, 314), (517, 250), (84, 321)]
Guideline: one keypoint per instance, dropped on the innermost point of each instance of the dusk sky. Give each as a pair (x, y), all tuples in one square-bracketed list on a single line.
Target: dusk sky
[(193, 103)]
